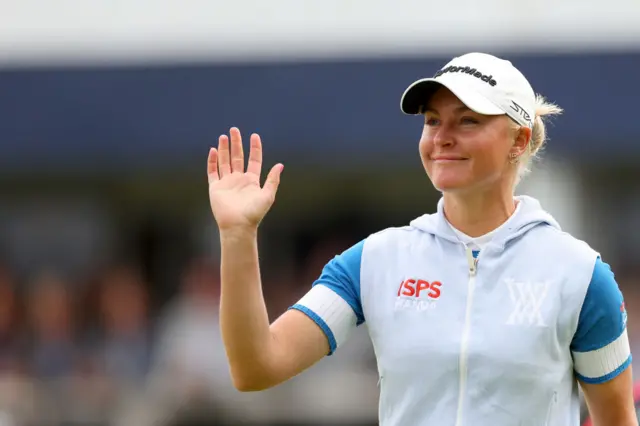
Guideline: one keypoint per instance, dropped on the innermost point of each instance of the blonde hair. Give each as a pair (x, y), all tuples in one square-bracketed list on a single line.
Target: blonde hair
[(544, 110)]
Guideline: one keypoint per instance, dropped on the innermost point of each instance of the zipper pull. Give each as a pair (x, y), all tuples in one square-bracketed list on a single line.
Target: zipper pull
[(473, 262)]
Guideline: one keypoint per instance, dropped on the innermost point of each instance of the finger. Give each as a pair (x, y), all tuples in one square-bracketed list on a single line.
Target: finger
[(273, 180), (224, 166), (254, 165), (212, 166), (237, 153)]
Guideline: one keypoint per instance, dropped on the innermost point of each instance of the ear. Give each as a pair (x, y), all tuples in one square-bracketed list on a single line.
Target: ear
[(522, 138)]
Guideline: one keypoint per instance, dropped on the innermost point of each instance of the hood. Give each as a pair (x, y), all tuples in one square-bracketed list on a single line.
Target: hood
[(530, 215)]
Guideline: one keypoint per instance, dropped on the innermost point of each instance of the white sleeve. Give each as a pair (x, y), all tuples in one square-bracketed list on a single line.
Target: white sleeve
[(600, 346), (600, 365), (334, 300), (330, 312)]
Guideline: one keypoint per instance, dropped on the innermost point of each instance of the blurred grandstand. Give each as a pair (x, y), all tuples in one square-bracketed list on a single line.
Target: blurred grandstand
[(109, 274)]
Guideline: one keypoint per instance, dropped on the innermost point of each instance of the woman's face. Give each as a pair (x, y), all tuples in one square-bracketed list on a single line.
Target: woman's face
[(463, 150)]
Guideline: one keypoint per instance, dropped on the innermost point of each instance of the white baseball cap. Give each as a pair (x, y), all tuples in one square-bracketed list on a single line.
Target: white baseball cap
[(484, 83)]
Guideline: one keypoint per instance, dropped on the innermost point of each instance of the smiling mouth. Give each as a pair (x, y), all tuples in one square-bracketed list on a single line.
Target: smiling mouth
[(448, 160)]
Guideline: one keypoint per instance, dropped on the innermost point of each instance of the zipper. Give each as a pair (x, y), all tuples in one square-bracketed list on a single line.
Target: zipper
[(464, 347), (384, 409), (552, 405)]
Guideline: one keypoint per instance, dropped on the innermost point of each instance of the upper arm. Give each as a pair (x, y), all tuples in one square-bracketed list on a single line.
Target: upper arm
[(298, 344), (322, 320), (600, 347), (334, 303), (611, 402)]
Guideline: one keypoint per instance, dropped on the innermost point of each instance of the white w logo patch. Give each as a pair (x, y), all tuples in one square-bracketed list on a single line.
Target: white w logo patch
[(527, 300)]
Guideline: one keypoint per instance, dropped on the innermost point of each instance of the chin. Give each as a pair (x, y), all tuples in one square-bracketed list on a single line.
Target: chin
[(450, 188), (450, 183)]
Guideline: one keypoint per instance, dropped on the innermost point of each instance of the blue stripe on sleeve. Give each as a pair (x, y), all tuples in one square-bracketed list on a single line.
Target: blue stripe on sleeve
[(615, 373), (342, 275), (603, 317), (320, 322)]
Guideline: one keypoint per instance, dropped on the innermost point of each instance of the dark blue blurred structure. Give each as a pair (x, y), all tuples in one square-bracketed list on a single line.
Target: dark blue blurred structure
[(147, 117)]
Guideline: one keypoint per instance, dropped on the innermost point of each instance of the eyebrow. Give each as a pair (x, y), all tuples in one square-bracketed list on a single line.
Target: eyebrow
[(461, 108)]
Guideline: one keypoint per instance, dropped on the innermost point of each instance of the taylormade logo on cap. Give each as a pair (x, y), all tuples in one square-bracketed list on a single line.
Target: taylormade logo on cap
[(468, 70), (486, 84)]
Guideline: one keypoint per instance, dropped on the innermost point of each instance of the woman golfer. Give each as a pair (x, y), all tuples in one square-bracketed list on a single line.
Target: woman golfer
[(483, 313)]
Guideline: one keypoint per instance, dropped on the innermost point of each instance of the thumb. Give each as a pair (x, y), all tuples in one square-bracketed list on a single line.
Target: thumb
[(273, 180)]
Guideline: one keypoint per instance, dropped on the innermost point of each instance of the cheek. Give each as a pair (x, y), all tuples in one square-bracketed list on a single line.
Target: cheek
[(425, 146), (425, 151), (489, 159)]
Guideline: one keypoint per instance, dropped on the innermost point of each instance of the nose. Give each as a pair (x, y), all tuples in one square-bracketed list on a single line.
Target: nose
[(443, 136)]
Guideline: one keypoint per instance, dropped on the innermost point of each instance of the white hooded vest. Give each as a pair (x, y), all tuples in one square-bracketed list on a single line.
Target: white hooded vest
[(490, 337)]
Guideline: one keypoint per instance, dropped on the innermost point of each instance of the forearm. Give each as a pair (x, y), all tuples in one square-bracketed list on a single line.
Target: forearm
[(244, 320)]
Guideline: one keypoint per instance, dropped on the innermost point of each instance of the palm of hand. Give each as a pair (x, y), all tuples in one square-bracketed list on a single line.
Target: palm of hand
[(236, 198)]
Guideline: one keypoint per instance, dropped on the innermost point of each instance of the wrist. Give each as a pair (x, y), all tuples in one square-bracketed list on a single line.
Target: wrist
[(238, 233)]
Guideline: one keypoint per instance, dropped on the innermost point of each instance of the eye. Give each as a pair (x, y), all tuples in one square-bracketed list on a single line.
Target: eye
[(469, 120), (431, 121)]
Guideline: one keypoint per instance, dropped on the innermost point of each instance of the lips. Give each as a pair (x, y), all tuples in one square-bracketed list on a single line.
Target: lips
[(447, 158)]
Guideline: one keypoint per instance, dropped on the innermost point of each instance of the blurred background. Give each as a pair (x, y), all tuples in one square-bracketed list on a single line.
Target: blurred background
[(109, 254)]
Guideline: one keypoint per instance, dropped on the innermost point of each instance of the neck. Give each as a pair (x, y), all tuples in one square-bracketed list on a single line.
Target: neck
[(480, 212)]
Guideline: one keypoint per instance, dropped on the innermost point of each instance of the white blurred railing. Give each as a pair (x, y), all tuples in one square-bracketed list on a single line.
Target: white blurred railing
[(64, 31)]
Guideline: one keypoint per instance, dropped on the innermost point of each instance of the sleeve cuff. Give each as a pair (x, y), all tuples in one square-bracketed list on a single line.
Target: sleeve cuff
[(602, 365), (330, 312)]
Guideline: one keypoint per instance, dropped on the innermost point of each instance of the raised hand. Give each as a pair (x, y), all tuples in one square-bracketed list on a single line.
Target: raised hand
[(236, 197)]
